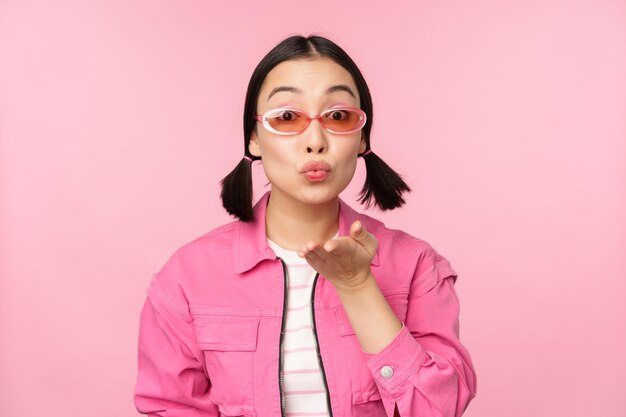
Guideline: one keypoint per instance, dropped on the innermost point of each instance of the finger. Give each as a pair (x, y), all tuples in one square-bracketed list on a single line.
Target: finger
[(331, 245), (302, 252), (325, 254), (314, 256), (313, 251), (358, 231), (366, 239), (306, 248), (340, 247)]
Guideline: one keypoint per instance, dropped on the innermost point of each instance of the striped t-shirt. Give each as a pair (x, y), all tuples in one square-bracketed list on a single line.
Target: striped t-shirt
[(303, 384)]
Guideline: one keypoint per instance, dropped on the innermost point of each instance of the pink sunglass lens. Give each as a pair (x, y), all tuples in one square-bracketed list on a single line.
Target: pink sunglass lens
[(341, 120), (287, 121)]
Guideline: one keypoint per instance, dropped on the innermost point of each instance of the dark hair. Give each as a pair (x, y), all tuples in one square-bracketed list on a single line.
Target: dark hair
[(381, 183)]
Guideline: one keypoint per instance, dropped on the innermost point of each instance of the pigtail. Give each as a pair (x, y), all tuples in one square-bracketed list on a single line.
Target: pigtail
[(236, 191), (382, 183)]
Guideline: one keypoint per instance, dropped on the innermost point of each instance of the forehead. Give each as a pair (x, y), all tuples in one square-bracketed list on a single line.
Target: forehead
[(312, 77)]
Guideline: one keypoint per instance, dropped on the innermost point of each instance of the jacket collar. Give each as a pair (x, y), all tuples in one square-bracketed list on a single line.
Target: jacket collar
[(250, 245)]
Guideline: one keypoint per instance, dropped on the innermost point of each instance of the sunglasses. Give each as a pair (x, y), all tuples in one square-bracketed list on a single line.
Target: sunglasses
[(291, 121)]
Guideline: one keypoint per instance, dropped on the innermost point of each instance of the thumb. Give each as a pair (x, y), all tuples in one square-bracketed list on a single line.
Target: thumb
[(358, 232)]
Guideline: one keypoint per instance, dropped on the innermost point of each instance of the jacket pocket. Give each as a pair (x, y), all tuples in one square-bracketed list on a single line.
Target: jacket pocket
[(364, 388), (229, 344)]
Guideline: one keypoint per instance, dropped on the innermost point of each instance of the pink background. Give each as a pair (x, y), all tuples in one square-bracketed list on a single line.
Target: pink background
[(118, 119)]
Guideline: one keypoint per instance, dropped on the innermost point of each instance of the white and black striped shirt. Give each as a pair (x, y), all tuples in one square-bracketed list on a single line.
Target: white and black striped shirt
[(305, 395)]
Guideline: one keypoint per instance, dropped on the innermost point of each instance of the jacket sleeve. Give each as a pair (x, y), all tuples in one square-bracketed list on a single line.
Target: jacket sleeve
[(171, 379), (431, 373)]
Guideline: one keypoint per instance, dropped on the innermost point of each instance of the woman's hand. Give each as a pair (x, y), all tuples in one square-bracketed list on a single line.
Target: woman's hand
[(345, 261)]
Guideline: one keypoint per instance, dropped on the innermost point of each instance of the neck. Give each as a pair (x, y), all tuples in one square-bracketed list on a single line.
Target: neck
[(291, 223)]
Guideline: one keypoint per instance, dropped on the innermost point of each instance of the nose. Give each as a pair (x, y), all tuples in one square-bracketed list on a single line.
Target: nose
[(315, 137)]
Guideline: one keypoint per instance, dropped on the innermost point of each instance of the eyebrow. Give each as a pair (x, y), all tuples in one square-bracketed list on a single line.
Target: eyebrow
[(338, 87)]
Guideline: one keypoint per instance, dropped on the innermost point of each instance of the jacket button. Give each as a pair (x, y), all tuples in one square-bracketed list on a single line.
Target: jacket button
[(386, 371)]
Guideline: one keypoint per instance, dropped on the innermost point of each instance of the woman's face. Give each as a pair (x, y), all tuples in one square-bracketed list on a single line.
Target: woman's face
[(284, 157)]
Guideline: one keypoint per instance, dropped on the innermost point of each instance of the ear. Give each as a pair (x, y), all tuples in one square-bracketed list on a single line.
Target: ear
[(363, 144), (253, 147)]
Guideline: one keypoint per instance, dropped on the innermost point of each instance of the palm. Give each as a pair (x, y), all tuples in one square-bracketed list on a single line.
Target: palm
[(344, 261)]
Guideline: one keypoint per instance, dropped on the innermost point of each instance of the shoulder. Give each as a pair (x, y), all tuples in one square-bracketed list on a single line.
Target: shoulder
[(408, 255), (219, 239), (396, 238), (188, 267)]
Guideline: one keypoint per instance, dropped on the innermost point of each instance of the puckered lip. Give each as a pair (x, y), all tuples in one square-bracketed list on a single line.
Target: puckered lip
[(315, 166)]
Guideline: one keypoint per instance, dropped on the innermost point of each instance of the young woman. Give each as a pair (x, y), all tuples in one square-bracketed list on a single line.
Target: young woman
[(304, 306)]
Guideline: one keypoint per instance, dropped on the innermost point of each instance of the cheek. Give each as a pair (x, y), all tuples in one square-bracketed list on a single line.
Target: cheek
[(348, 152), (281, 156), (276, 159), (350, 168), (348, 165)]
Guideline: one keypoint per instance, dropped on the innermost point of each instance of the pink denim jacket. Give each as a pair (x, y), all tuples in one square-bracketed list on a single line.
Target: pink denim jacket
[(210, 331)]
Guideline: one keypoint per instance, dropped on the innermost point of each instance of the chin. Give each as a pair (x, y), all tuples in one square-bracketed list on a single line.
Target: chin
[(313, 194), (319, 196)]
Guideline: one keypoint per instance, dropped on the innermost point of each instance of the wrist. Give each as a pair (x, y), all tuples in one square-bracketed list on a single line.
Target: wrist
[(359, 285)]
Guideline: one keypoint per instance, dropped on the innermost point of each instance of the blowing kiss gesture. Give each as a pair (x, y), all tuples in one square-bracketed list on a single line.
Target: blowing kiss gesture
[(345, 261)]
